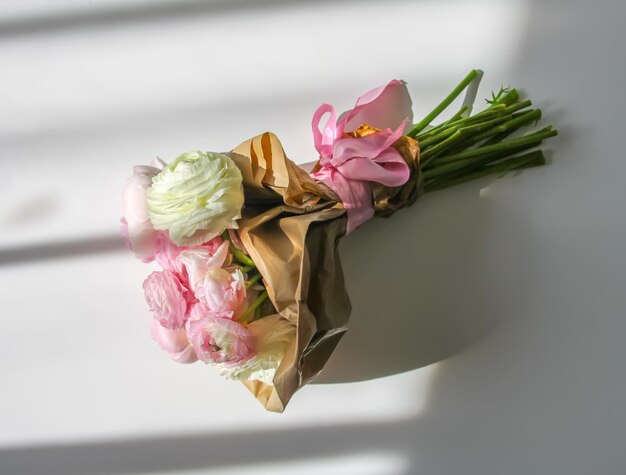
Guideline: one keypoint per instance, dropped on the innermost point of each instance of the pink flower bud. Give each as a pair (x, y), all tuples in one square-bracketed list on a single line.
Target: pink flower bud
[(219, 340), (168, 298)]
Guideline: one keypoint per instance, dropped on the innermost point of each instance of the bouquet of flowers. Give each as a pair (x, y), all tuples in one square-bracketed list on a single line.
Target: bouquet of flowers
[(250, 279)]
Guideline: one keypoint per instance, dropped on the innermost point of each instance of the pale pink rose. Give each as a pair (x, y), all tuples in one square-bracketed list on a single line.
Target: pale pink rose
[(137, 229), (219, 340), (175, 342), (168, 298), (166, 252)]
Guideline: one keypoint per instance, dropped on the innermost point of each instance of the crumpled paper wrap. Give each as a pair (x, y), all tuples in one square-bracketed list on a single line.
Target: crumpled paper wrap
[(291, 226)]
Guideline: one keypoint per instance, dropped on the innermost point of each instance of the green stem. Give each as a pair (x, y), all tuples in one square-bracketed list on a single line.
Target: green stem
[(443, 134), (462, 139), (429, 153), (523, 119), (253, 280), (518, 106), (437, 128), (496, 110), (447, 128), (240, 256), (459, 114), (466, 147), (253, 306), (456, 168), (532, 159), (502, 146), (501, 130), (500, 137), (472, 76), (467, 127), (510, 128)]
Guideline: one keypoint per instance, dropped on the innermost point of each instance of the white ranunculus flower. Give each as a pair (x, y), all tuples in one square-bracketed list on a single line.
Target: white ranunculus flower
[(273, 334), (196, 197)]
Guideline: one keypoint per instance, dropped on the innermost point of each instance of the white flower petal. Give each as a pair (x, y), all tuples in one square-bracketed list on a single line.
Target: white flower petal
[(196, 197), (274, 334)]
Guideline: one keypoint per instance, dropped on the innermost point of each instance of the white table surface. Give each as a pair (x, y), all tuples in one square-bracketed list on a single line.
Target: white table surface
[(489, 320)]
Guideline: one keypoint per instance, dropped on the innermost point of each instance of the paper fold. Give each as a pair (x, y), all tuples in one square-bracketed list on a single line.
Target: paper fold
[(291, 226)]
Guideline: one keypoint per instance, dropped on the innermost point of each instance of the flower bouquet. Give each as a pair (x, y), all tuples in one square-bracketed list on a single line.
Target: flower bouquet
[(250, 279)]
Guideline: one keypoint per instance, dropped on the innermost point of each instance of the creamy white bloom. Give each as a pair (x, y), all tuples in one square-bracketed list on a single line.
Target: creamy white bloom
[(196, 197), (274, 334)]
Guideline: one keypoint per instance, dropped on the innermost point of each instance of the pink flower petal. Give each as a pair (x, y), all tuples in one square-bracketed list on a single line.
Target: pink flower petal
[(174, 342), (384, 107)]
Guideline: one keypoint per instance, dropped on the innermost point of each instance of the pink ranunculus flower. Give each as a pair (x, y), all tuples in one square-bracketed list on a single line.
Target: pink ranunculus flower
[(168, 298), (197, 261), (218, 340), (166, 252), (221, 290), (350, 164), (175, 342), (137, 229)]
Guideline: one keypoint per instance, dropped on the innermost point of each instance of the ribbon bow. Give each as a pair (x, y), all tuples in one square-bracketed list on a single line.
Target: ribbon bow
[(350, 164)]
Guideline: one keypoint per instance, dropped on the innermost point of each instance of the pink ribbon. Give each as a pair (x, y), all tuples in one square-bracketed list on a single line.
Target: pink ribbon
[(349, 165)]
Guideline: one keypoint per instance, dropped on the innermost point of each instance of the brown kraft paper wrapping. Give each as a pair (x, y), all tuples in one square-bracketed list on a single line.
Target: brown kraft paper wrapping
[(291, 227)]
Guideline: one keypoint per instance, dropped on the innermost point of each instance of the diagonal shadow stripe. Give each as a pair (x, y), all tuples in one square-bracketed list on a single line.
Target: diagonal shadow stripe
[(99, 18), (59, 250), (205, 451)]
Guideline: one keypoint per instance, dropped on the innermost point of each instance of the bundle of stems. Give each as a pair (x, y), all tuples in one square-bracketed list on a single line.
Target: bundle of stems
[(462, 148), (253, 277), (467, 146)]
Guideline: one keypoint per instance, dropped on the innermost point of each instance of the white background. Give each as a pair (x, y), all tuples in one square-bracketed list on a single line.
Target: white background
[(489, 320)]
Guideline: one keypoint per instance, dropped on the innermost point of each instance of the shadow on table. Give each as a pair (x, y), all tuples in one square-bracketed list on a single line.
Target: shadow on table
[(204, 451), (419, 287), (60, 250), (135, 13)]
